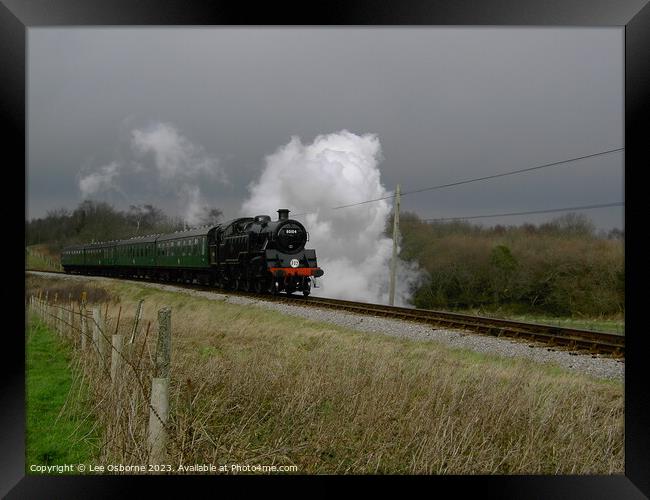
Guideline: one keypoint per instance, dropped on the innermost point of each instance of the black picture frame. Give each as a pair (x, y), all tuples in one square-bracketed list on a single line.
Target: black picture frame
[(16, 16)]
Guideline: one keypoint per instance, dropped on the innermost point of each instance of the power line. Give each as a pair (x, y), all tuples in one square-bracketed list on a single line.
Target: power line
[(567, 209), (476, 179)]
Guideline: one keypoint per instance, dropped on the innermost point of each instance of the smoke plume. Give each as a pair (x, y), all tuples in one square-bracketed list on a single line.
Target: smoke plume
[(337, 169), (165, 161)]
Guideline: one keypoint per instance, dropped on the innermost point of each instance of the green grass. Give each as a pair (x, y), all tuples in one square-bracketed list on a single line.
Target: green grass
[(598, 324), (612, 324), (54, 436), (40, 262)]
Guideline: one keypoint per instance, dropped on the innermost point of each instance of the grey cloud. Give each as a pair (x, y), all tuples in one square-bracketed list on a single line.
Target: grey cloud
[(446, 104)]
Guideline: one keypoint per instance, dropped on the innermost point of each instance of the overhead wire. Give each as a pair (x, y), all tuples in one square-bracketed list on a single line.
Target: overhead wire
[(549, 210), (475, 179)]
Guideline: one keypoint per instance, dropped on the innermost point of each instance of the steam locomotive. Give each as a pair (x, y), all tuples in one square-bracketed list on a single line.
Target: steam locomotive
[(250, 253)]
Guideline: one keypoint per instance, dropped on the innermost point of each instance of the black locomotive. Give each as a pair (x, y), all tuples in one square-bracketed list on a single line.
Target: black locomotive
[(262, 254)]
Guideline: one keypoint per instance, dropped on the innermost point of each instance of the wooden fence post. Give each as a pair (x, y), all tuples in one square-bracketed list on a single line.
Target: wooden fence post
[(136, 322), (55, 313), (46, 309), (58, 315), (159, 411)]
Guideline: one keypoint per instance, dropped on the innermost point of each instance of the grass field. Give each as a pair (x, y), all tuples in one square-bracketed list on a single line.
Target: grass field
[(60, 428), (252, 386)]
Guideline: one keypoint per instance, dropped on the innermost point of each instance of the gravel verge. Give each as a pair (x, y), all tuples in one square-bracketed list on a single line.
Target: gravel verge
[(595, 366)]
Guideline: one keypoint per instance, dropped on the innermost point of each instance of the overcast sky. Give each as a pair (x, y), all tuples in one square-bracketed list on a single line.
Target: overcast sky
[(446, 104)]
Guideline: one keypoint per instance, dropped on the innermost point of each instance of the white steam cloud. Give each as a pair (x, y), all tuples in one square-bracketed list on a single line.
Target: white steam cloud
[(101, 180), (337, 169), (177, 168)]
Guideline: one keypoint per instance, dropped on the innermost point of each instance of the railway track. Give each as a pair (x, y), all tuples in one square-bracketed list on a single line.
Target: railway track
[(572, 339)]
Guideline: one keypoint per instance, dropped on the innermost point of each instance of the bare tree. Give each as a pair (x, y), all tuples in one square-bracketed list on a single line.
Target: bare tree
[(210, 216)]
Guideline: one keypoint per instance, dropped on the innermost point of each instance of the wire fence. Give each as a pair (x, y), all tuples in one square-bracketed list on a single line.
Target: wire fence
[(129, 381)]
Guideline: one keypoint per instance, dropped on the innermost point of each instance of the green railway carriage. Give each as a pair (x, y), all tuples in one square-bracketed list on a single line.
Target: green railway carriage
[(73, 256), (139, 252), (98, 254), (248, 253), (185, 249), (169, 256)]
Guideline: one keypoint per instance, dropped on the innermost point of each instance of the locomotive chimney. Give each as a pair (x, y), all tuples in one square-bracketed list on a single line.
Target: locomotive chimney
[(283, 214)]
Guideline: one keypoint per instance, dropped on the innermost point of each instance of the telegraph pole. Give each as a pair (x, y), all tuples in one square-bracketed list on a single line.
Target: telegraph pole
[(393, 262)]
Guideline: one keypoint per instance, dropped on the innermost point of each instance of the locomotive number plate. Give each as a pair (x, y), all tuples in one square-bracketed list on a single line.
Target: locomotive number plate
[(294, 263)]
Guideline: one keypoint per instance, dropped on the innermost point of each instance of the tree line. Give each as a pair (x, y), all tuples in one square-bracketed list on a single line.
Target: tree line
[(99, 221), (563, 267)]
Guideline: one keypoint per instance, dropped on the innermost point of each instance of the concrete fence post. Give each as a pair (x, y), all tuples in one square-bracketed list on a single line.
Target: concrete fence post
[(116, 357), (83, 324), (104, 339), (159, 411)]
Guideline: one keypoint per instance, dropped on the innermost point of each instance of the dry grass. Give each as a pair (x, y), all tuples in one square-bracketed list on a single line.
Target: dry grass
[(252, 386)]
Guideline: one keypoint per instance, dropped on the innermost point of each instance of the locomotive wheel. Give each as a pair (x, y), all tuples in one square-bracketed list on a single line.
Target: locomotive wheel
[(259, 286), (275, 289), (306, 292)]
